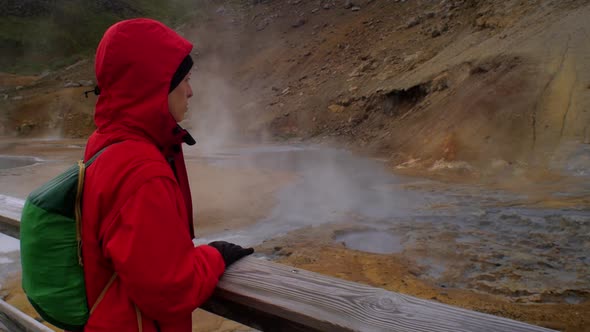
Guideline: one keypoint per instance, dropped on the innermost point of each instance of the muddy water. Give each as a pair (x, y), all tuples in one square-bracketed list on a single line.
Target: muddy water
[(371, 241), (332, 186), (7, 162), (467, 236)]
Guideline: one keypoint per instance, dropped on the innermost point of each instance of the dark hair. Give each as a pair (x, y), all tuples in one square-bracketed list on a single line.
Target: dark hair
[(181, 72)]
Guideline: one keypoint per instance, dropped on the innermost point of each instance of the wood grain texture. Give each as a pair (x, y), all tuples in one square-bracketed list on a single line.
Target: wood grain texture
[(10, 211), (329, 304), (274, 297), (15, 321)]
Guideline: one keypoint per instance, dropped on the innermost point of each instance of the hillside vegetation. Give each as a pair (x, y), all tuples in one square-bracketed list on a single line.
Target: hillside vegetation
[(37, 35)]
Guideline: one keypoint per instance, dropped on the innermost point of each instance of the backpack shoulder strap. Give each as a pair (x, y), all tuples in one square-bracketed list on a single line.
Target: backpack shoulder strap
[(78, 206), (82, 169), (91, 160), (104, 291)]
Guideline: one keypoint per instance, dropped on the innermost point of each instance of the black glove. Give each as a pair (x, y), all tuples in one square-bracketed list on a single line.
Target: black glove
[(230, 252)]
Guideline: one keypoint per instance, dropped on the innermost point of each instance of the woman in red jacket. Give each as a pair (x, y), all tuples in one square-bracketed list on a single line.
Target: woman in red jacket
[(141, 268)]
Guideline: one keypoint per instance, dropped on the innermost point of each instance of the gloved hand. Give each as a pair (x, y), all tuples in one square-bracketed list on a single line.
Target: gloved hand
[(230, 252)]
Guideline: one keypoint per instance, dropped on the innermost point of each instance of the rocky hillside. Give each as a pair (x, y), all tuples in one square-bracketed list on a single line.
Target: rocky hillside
[(422, 81), (460, 84)]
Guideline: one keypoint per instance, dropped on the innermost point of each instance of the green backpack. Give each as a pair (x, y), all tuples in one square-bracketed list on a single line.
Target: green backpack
[(50, 247)]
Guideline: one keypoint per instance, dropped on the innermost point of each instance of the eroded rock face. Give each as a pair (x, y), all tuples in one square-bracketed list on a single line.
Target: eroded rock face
[(26, 128)]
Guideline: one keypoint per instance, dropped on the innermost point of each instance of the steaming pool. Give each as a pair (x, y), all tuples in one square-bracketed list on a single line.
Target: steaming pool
[(469, 236), (7, 162)]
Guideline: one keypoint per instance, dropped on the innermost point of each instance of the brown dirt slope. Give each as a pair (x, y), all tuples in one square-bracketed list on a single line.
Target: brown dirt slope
[(427, 80), (413, 80)]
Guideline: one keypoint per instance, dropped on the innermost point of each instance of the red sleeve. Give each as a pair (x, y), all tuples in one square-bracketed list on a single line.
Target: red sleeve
[(154, 256)]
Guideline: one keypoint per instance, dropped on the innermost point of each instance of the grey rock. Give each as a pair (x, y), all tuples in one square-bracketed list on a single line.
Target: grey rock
[(345, 101), (355, 8), (17, 98), (413, 22), (348, 4), (262, 24), (72, 85), (299, 22), (86, 82)]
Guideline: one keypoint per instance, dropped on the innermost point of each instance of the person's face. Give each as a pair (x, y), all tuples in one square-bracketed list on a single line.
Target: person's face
[(178, 99)]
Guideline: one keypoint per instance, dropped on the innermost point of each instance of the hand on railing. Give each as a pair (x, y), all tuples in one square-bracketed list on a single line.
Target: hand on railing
[(230, 252)]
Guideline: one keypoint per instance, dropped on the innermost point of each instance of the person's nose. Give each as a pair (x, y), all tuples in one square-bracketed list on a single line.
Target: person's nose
[(189, 92)]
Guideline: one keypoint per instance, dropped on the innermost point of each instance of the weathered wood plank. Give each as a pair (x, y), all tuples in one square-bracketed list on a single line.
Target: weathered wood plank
[(274, 297), (330, 304), (10, 211), (13, 320)]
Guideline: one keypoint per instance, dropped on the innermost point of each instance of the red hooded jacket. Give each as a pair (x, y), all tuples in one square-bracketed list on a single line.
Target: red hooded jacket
[(137, 212)]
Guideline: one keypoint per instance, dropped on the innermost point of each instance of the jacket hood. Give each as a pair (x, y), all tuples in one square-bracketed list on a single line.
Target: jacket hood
[(135, 62)]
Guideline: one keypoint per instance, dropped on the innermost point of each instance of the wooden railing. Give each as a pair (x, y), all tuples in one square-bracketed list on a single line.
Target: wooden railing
[(13, 320), (274, 297)]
